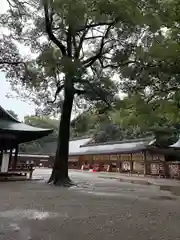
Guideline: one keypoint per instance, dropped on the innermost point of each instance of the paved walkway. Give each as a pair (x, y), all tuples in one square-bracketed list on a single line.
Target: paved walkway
[(108, 210), (140, 179), (170, 185)]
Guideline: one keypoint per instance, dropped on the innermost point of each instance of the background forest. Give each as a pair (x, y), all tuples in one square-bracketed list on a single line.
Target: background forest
[(130, 118)]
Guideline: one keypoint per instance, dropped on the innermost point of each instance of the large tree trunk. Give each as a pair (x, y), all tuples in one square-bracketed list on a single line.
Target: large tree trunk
[(59, 174)]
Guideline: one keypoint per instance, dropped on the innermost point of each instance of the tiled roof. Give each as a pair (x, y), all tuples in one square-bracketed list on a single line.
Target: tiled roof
[(12, 129), (6, 115), (120, 147), (9, 124), (84, 147), (74, 146)]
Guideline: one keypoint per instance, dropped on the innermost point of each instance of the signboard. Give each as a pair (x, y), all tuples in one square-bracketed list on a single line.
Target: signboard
[(154, 169), (126, 166)]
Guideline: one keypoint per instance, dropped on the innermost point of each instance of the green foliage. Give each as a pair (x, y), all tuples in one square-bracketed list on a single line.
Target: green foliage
[(89, 40), (132, 117), (84, 124), (41, 122), (159, 118), (158, 76)]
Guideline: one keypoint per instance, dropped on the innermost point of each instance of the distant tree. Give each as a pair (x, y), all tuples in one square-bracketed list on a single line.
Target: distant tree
[(41, 122), (140, 118), (84, 124), (12, 113), (30, 147)]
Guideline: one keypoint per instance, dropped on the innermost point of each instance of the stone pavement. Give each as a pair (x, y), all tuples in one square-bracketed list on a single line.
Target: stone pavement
[(141, 179), (137, 179), (37, 211), (171, 185)]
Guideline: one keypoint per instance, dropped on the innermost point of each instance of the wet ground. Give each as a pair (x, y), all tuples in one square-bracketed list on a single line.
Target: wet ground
[(94, 209)]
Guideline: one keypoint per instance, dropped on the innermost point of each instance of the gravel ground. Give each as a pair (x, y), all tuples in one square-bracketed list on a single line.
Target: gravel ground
[(95, 209)]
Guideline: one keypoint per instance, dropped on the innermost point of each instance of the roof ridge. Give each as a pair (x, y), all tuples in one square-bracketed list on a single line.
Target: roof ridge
[(118, 142), (8, 115)]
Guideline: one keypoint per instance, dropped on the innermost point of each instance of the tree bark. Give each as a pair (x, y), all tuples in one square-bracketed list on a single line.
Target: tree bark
[(59, 174)]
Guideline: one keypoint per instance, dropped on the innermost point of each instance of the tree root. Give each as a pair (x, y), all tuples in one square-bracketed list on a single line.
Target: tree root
[(62, 182)]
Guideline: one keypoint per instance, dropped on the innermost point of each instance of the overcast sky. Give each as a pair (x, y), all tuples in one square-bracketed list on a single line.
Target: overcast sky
[(20, 108)]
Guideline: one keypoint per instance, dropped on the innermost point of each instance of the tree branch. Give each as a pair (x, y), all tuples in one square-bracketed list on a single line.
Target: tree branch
[(48, 26), (74, 44), (93, 25), (10, 4), (88, 62), (79, 91), (78, 50), (93, 37), (114, 66), (10, 63), (58, 90), (69, 42), (99, 93)]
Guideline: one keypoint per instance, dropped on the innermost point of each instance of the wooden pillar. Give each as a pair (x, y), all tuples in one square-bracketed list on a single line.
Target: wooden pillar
[(120, 163), (166, 168), (31, 171), (1, 156), (10, 157), (15, 156), (145, 163), (131, 164), (109, 169), (118, 166)]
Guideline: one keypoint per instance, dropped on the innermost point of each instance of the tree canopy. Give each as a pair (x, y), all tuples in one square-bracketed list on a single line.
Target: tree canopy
[(158, 77), (132, 118), (90, 40)]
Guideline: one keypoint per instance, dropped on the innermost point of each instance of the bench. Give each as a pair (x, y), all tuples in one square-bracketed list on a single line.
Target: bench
[(22, 170)]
